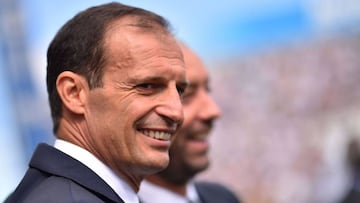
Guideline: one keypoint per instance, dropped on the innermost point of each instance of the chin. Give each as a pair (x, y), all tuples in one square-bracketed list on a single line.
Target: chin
[(200, 166), (157, 166)]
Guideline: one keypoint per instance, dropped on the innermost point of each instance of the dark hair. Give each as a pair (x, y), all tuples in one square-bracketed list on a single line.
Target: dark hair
[(78, 46)]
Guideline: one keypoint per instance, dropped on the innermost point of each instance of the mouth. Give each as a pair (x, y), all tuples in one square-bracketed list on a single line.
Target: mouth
[(199, 138), (159, 135)]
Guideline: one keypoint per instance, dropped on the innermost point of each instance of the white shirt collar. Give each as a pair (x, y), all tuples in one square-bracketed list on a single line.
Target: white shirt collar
[(151, 193), (120, 186)]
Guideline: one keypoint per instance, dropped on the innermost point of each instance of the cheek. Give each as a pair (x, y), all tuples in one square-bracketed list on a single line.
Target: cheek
[(190, 113), (177, 147)]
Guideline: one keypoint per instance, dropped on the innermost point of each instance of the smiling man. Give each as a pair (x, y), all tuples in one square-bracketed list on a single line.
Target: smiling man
[(115, 77), (189, 151)]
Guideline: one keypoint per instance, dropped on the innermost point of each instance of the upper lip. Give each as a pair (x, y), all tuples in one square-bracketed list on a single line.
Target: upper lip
[(201, 136)]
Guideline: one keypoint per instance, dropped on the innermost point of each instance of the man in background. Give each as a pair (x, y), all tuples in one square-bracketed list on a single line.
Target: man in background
[(353, 159), (189, 151), (115, 77)]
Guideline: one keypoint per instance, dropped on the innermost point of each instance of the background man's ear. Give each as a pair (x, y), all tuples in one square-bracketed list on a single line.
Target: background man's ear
[(72, 90)]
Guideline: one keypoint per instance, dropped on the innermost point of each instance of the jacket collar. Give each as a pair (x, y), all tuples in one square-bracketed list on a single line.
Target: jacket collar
[(50, 160)]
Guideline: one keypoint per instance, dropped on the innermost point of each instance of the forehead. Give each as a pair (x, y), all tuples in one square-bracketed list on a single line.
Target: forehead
[(126, 35), (127, 46), (195, 69)]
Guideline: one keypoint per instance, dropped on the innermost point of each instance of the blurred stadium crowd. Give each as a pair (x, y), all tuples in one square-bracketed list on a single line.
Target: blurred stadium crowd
[(288, 115)]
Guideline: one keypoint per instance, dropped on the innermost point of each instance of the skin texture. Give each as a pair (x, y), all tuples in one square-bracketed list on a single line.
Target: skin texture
[(189, 151), (143, 80)]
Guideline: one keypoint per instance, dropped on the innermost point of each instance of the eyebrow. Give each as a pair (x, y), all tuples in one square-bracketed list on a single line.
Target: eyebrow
[(147, 79), (197, 83), (183, 83), (153, 78)]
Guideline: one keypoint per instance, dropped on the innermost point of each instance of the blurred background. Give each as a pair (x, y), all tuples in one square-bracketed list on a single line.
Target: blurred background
[(286, 74)]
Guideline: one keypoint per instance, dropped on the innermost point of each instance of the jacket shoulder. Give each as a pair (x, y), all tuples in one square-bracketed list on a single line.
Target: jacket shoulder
[(215, 192), (56, 189)]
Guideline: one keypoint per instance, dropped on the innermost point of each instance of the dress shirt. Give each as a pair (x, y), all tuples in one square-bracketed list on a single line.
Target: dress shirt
[(151, 193), (120, 186)]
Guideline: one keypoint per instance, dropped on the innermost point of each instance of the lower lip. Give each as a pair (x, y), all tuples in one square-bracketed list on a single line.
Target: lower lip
[(199, 145)]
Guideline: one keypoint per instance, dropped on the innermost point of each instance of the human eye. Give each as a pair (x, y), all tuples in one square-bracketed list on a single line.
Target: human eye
[(148, 88), (181, 87), (181, 90), (190, 92), (145, 86), (188, 95)]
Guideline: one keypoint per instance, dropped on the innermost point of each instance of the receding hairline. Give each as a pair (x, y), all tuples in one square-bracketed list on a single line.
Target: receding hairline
[(139, 23)]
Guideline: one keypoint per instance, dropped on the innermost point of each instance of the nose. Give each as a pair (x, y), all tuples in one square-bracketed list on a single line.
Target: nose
[(209, 109), (171, 106)]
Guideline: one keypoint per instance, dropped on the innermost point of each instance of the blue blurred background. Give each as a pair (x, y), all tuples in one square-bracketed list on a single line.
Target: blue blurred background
[(234, 38)]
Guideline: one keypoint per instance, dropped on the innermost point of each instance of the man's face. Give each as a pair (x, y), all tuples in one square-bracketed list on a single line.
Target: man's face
[(133, 117), (189, 152)]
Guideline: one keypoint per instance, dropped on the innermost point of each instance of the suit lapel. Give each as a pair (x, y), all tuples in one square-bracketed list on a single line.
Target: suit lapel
[(53, 161)]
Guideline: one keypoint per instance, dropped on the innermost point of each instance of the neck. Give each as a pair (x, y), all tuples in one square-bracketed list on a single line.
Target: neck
[(178, 188), (74, 133)]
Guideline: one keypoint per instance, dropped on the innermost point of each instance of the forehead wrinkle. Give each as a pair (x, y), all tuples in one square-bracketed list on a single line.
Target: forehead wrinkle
[(168, 54), (132, 47), (118, 60)]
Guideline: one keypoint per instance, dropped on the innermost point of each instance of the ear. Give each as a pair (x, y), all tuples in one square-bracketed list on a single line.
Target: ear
[(72, 90)]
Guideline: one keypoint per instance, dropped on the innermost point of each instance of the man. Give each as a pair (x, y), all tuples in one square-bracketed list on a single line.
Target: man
[(353, 160), (189, 150), (115, 76)]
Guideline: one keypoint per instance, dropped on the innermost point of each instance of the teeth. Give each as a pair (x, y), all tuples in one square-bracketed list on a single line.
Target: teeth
[(159, 135)]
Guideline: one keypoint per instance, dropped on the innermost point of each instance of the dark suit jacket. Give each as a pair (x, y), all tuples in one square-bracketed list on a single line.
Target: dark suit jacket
[(353, 196), (215, 193), (53, 176)]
